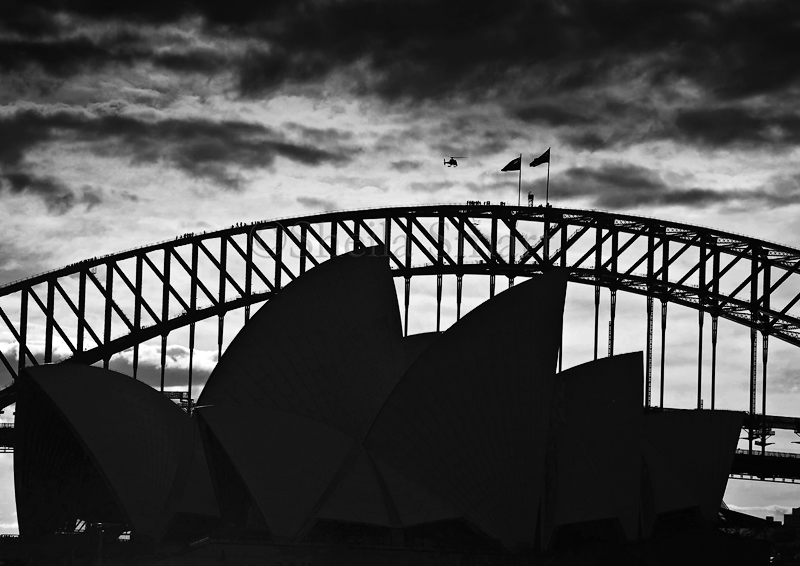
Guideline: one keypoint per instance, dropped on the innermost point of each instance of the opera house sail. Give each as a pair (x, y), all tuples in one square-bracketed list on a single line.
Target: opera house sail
[(321, 418), (96, 446)]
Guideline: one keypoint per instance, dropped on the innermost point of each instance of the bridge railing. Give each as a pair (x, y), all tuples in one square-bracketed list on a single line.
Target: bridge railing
[(770, 453)]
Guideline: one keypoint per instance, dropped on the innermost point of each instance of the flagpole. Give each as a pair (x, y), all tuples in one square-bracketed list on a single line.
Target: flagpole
[(519, 187), (547, 195)]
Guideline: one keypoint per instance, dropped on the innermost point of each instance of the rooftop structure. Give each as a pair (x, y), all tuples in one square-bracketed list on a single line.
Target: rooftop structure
[(321, 417)]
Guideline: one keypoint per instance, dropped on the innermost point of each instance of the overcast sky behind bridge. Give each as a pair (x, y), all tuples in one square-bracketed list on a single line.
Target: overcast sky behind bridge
[(123, 123)]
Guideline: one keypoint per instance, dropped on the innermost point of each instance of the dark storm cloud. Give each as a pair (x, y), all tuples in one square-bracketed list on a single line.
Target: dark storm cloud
[(426, 50), (721, 127), (551, 115), (598, 122), (201, 61), (33, 16), (707, 126), (590, 140), (318, 136), (464, 136), (66, 57), (16, 178), (58, 58), (576, 52), (214, 150), (781, 190), (417, 50), (28, 19), (618, 186), (58, 197), (432, 49)]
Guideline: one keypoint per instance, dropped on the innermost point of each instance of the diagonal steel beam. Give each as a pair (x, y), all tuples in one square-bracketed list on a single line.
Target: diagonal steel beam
[(57, 327), (223, 271), (620, 250), (648, 256), (697, 266), (495, 257), (23, 347), (111, 300), (79, 315), (385, 241), (252, 265), (408, 228), (331, 252), (790, 304), (465, 235), (530, 251), (747, 281), (598, 245), (794, 269), (280, 266), (142, 335), (561, 253), (136, 292), (193, 273), (165, 282), (435, 242), (354, 234), (9, 368), (674, 258), (302, 247)]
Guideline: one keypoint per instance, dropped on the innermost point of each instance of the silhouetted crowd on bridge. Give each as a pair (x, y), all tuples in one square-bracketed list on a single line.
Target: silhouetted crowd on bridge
[(501, 203)]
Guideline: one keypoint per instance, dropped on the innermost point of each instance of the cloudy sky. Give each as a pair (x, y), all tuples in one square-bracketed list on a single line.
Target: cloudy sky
[(124, 123)]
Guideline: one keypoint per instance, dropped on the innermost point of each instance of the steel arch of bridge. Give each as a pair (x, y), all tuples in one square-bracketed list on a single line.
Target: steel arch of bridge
[(748, 281)]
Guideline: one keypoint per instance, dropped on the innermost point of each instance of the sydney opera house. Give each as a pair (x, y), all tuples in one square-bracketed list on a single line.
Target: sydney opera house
[(324, 436)]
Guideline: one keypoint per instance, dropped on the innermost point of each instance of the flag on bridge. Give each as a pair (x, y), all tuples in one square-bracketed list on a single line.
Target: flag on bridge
[(543, 158), (516, 165), (513, 165)]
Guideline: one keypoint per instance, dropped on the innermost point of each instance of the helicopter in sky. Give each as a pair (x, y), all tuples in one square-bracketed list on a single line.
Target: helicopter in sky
[(451, 161)]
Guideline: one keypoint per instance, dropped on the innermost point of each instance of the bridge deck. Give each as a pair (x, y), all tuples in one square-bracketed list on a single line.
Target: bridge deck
[(769, 466)]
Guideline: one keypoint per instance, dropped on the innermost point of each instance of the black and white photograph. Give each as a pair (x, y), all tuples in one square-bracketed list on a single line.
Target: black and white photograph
[(389, 282)]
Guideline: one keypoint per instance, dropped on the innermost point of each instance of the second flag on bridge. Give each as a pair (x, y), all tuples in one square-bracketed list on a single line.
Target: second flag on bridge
[(516, 165)]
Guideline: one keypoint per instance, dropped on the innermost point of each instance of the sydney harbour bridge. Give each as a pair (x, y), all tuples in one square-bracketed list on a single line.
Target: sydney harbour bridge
[(89, 311)]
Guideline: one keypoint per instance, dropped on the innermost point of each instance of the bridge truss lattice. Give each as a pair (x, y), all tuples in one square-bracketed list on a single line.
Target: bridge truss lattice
[(105, 305)]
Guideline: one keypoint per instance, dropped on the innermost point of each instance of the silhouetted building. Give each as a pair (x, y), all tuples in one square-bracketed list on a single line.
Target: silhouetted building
[(95, 446), (322, 424), (792, 520)]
